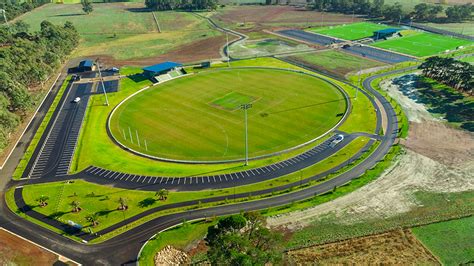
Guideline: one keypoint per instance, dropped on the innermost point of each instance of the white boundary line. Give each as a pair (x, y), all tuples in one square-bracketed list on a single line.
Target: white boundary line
[(339, 88), (38, 245), (34, 115)]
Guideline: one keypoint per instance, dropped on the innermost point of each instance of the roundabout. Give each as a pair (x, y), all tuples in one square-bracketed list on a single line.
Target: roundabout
[(197, 118)]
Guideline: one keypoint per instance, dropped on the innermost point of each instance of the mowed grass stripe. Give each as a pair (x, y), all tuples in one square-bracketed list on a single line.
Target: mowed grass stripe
[(179, 120)]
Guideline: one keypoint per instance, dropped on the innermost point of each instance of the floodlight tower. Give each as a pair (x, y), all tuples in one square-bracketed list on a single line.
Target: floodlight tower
[(245, 107), (102, 82)]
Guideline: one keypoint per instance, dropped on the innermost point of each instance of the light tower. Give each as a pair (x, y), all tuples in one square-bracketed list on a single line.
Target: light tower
[(245, 107)]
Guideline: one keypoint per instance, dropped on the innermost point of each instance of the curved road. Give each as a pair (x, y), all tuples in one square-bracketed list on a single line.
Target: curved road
[(123, 249)]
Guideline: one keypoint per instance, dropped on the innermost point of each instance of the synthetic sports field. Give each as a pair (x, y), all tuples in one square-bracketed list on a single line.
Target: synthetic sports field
[(422, 44), (197, 117), (353, 31)]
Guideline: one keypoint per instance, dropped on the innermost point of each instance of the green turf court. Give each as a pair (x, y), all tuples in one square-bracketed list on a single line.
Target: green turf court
[(232, 101), (352, 31), (179, 119), (422, 44)]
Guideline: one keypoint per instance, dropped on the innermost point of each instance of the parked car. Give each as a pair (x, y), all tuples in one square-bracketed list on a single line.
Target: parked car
[(337, 140), (76, 100)]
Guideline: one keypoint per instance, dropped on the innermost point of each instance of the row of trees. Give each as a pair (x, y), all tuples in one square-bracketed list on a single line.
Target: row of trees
[(26, 61), (15, 8), (181, 4), (243, 239), (378, 8), (454, 73)]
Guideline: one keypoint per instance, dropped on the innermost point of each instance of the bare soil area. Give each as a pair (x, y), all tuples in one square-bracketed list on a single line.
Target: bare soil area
[(279, 14), (16, 251), (395, 247), (198, 51)]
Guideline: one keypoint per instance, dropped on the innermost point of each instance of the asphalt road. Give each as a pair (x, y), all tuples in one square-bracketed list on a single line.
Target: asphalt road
[(123, 249)]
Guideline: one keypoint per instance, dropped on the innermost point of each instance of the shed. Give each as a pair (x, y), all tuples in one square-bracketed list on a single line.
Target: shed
[(380, 34), (160, 69), (86, 65)]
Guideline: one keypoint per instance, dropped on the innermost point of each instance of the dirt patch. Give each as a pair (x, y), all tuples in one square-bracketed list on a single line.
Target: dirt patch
[(16, 251), (171, 256), (198, 51), (395, 247), (389, 195), (440, 142), (279, 15)]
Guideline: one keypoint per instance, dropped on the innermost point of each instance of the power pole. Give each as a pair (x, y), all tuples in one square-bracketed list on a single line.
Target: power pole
[(102, 82), (245, 107)]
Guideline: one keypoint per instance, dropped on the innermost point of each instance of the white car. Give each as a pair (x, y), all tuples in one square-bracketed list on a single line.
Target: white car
[(337, 140), (77, 99)]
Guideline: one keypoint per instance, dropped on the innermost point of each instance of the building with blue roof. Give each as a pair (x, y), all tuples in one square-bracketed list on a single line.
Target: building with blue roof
[(385, 33), (86, 65), (160, 69)]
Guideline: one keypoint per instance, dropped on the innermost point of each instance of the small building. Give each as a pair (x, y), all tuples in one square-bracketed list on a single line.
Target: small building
[(86, 65), (385, 33), (160, 69)]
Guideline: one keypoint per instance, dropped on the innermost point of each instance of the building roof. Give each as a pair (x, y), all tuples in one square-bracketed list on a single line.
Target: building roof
[(86, 63), (162, 66), (386, 31)]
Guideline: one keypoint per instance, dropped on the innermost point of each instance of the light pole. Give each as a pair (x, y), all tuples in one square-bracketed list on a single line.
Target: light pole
[(102, 82), (5, 17), (245, 107), (228, 48)]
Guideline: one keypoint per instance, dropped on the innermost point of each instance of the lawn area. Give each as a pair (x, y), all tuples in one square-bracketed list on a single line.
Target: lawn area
[(352, 31), (124, 30), (94, 141), (422, 44), (469, 59), (452, 241), (269, 46), (466, 28), (335, 62), (199, 118), (179, 237)]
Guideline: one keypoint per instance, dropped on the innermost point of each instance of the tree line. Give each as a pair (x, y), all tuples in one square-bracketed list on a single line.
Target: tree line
[(26, 61), (454, 73), (13, 8), (377, 8), (181, 4)]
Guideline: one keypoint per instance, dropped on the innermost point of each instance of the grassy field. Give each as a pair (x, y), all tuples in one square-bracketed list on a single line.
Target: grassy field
[(94, 141), (452, 241), (179, 237), (124, 30), (469, 59), (422, 44), (198, 118), (335, 62), (353, 31), (466, 28)]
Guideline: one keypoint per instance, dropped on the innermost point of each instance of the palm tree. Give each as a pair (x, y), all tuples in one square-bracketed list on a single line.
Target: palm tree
[(93, 218), (76, 206), (162, 194), (42, 200), (123, 204)]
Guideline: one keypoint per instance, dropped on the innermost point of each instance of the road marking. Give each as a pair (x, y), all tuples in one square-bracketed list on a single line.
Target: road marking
[(231, 177), (214, 178), (242, 174)]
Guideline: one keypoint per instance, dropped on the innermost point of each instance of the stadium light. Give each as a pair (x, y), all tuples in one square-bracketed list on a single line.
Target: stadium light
[(228, 48), (245, 107), (102, 82)]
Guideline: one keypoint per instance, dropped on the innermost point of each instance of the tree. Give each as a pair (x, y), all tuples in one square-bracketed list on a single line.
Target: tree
[(243, 240), (93, 218), (42, 200), (162, 194), (87, 6), (76, 206), (123, 204), (377, 8), (393, 12)]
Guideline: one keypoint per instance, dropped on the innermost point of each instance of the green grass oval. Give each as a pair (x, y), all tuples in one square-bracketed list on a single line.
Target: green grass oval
[(198, 117)]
